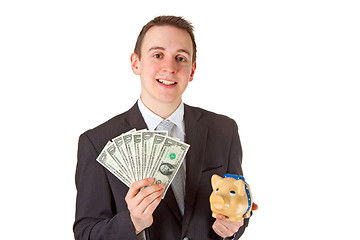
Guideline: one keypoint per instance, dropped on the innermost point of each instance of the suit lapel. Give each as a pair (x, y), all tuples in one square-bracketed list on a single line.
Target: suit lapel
[(196, 136), (170, 201), (134, 119)]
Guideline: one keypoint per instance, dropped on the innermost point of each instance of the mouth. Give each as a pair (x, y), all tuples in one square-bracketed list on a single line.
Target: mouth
[(166, 82), (218, 205)]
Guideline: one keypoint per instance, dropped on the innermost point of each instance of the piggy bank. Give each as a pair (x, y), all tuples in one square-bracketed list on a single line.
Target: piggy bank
[(231, 197)]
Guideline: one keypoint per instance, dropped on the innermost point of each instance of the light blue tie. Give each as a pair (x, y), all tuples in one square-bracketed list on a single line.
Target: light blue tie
[(178, 183)]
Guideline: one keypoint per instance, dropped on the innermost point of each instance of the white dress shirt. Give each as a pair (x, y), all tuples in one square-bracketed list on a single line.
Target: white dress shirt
[(152, 121)]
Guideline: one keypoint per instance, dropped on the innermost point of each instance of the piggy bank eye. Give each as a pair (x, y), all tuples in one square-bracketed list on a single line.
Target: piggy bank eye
[(216, 190), (232, 193)]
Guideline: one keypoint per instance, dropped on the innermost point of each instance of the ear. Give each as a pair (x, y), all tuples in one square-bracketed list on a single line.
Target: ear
[(240, 186), (135, 66), (215, 179), (192, 72)]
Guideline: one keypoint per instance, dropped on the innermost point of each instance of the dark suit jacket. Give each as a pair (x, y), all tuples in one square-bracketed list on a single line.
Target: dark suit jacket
[(101, 210)]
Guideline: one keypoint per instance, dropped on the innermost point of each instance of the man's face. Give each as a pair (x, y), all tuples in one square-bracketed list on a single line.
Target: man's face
[(165, 67)]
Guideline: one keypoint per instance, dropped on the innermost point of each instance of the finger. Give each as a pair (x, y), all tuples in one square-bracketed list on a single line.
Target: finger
[(137, 205), (254, 206), (148, 201), (231, 226), (152, 206), (234, 226), (222, 222), (218, 232), (222, 217), (136, 186), (221, 229), (144, 192)]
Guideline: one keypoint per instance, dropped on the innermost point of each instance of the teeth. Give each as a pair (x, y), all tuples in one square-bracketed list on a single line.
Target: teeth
[(166, 82)]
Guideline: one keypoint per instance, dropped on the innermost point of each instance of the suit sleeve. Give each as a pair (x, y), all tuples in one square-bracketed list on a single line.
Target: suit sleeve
[(96, 215), (235, 162)]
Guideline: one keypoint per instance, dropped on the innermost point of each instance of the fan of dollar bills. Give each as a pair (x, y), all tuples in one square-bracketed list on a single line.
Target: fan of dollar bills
[(135, 155)]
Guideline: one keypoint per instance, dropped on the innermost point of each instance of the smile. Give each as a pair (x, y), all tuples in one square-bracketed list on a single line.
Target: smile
[(165, 82)]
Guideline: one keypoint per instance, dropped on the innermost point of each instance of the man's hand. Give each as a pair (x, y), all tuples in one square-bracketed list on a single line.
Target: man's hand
[(142, 202), (224, 227)]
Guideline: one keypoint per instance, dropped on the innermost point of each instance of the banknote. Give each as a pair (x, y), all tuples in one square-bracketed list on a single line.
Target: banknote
[(137, 151), (114, 152), (108, 162), (119, 142), (154, 153), (135, 155), (129, 147), (147, 138), (169, 161)]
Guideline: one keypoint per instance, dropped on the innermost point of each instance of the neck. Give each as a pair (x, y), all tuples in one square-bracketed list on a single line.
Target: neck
[(164, 110)]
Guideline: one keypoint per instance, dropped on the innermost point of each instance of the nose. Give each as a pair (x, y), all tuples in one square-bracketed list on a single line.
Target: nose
[(169, 66), (218, 202)]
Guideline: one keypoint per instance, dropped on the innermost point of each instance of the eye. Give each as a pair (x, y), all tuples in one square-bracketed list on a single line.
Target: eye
[(157, 55), (232, 193), (216, 190), (181, 59)]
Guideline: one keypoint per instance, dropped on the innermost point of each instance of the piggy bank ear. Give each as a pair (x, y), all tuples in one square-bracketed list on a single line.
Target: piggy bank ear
[(215, 179), (240, 186)]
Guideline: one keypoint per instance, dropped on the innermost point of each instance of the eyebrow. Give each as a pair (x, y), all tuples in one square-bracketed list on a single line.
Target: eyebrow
[(163, 49), (156, 48)]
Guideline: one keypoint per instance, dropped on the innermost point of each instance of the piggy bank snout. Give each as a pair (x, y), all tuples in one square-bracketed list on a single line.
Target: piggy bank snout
[(218, 202)]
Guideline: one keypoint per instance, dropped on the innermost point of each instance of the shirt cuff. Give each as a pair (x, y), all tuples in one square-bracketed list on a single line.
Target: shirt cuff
[(141, 235)]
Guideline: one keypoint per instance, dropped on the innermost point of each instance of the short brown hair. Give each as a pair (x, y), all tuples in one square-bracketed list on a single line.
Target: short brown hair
[(178, 22)]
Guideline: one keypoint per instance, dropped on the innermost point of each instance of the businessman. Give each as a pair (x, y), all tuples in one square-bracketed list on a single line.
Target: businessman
[(165, 60)]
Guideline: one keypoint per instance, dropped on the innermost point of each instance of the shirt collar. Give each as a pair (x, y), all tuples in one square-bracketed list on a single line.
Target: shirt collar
[(178, 117), (152, 120)]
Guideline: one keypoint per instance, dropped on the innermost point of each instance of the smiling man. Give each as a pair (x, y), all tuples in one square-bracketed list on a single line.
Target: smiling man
[(165, 64), (165, 59)]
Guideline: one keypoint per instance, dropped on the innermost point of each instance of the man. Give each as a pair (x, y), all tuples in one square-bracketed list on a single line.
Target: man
[(165, 60)]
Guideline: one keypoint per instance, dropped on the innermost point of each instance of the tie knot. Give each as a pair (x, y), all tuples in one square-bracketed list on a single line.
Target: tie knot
[(166, 125)]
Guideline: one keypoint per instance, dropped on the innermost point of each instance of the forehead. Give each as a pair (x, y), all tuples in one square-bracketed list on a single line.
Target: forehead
[(168, 37)]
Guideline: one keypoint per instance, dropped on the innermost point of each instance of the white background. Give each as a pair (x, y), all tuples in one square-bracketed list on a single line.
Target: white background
[(286, 71)]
